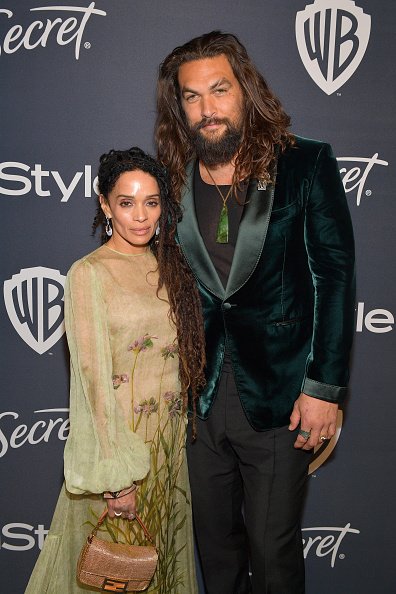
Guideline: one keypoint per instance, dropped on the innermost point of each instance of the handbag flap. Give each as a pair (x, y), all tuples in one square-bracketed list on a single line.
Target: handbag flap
[(123, 561)]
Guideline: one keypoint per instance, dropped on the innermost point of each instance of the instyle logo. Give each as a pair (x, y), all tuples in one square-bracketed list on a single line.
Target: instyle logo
[(355, 178), (332, 38), (34, 303), (65, 30), (320, 541), (50, 423), (45, 183), (325, 541), (378, 321), (19, 179), (18, 536)]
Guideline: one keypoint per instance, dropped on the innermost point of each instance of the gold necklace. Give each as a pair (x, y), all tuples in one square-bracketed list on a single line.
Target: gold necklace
[(222, 226)]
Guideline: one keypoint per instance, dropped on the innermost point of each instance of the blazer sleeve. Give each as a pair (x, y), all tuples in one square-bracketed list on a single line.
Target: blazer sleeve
[(101, 453), (330, 248)]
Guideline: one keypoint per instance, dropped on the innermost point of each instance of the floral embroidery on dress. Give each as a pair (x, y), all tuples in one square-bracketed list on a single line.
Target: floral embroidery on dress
[(138, 346), (123, 378), (175, 403), (169, 351), (147, 407), (163, 485), (142, 343)]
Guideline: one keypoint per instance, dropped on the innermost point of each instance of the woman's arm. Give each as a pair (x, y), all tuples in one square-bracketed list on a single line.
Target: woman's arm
[(102, 453)]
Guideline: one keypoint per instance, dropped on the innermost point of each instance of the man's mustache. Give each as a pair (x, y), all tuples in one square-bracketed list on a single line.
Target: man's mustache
[(208, 121)]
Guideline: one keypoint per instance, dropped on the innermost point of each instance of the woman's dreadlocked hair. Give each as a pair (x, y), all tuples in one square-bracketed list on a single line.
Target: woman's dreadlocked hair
[(174, 273)]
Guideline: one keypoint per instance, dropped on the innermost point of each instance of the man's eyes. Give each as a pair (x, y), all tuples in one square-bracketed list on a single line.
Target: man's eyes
[(190, 98)]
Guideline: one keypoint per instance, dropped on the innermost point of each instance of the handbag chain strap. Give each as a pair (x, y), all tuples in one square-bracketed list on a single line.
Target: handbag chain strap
[(102, 519)]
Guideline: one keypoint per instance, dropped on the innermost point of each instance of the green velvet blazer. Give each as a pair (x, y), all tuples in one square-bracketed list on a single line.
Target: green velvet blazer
[(287, 312)]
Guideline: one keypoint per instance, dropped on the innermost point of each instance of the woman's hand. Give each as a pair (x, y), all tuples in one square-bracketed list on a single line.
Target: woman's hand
[(123, 506)]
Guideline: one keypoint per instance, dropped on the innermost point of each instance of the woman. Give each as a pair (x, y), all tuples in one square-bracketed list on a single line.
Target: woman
[(134, 327)]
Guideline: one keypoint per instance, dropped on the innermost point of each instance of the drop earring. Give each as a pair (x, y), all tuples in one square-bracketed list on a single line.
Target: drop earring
[(108, 228), (157, 231)]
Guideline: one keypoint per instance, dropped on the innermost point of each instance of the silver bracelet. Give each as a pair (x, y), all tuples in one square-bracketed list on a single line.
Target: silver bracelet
[(116, 494)]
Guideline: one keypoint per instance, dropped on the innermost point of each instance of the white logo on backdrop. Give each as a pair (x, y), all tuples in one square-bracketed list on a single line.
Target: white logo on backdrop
[(51, 422), (327, 541), (378, 321), (54, 184), (55, 422), (18, 536), (38, 32), (355, 178), (332, 38), (19, 185), (34, 303)]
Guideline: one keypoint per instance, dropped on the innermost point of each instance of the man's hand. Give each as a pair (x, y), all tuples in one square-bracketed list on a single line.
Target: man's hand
[(314, 416)]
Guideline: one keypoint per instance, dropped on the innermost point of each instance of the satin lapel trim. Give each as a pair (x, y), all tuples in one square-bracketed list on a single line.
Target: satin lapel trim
[(251, 236), (192, 244)]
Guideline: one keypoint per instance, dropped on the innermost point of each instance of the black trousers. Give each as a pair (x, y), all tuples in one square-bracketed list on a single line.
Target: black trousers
[(247, 495)]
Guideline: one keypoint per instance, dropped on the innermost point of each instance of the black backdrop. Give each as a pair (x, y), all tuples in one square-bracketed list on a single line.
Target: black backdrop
[(77, 86)]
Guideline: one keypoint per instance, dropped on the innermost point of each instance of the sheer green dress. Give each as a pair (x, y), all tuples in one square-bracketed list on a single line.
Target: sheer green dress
[(126, 421)]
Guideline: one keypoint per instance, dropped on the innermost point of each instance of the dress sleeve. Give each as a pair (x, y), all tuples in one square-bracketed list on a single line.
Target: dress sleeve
[(330, 248), (101, 453)]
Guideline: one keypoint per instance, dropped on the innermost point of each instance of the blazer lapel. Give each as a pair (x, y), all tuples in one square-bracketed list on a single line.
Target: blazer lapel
[(251, 236), (192, 244)]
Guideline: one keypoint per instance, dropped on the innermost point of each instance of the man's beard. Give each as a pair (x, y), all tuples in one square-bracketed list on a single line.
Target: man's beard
[(216, 151)]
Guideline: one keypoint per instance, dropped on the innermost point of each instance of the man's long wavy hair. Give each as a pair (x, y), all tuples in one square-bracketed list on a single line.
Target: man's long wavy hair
[(265, 122), (174, 274)]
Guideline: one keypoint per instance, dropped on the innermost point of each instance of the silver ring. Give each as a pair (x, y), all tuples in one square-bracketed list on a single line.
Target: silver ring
[(118, 514), (323, 438), (304, 434)]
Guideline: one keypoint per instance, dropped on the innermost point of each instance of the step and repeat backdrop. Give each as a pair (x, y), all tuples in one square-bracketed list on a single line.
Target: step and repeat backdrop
[(78, 78)]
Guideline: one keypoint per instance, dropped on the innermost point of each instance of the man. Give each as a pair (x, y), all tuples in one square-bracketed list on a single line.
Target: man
[(267, 233)]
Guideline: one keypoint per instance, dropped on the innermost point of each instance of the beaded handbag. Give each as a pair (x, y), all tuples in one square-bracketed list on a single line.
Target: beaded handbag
[(116, 567)]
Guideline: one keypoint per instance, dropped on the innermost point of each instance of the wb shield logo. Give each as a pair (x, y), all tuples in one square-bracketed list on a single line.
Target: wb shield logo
[(34, 303), (332, 38)]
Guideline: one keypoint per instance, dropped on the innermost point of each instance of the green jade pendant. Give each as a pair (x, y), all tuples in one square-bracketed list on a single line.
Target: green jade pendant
[(222, 227)]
